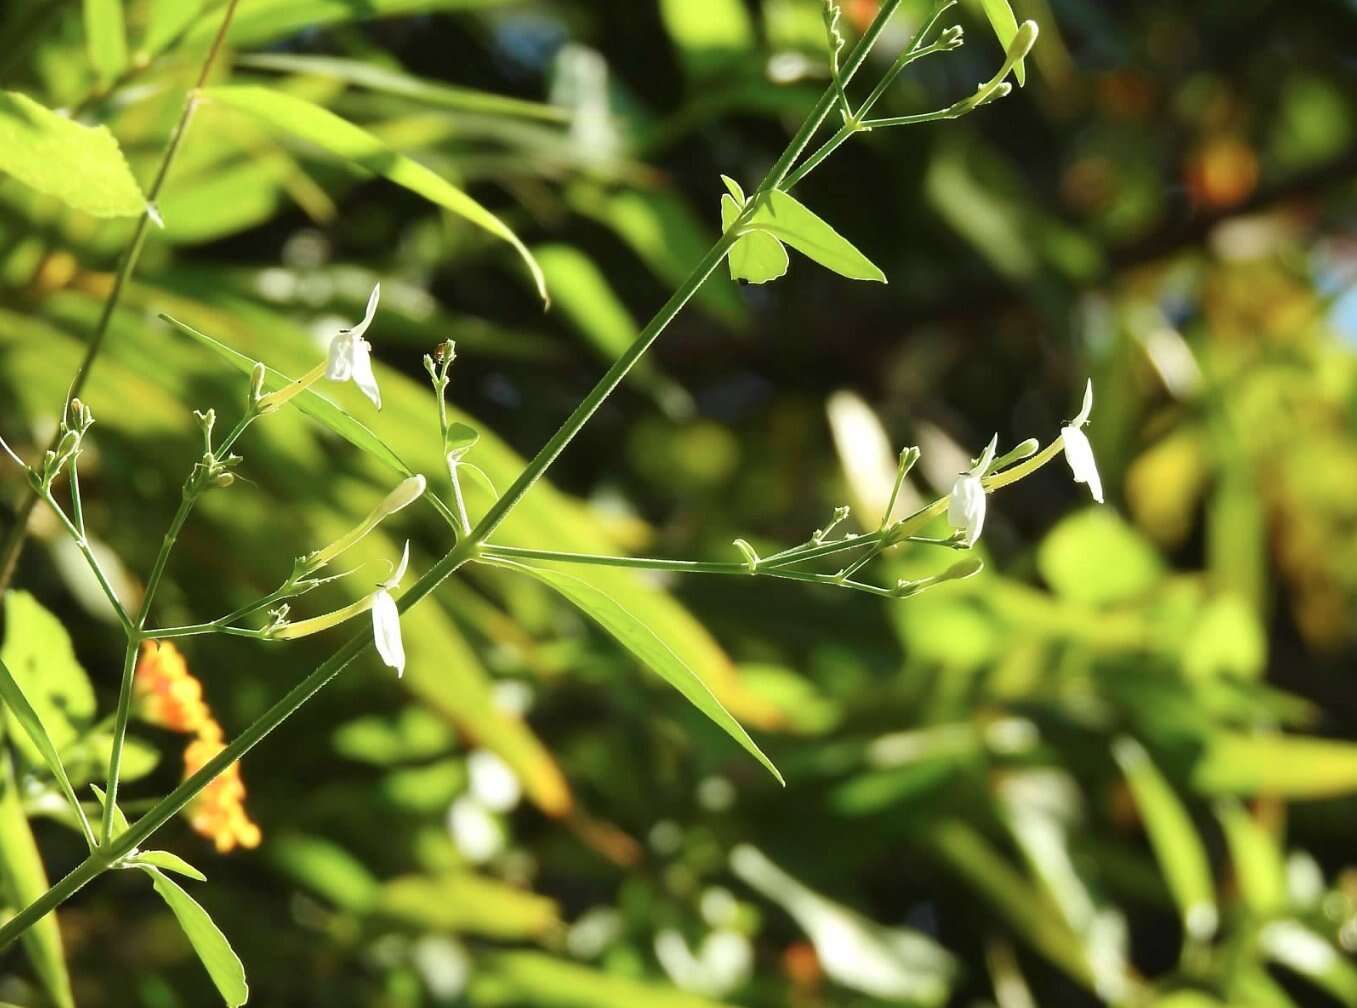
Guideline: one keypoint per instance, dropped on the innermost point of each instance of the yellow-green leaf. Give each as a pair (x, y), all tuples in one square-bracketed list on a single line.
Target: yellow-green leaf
[(512, 979), (264, 20), (214, 951), (170, 862), (297, 117), (1287, 766), (649, 649), (106, 37), (785, 218), (755, 258), (82, 166), (1257, 859), (1178, 848), (25, 880), (23, 712), (1005, 25), (464, 903), (38, 655)]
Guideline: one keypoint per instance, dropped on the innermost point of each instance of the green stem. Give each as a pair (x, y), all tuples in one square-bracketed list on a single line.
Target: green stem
[(854, 123), (467, 549), (119, 733), (9, 552), (163, 810)]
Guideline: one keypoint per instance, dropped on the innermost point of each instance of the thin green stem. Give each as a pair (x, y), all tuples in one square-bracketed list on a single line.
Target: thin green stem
[(854, 123), (119, 733), (9, 552), (77, 506), (160, 813), (82, 544), (465, 550)]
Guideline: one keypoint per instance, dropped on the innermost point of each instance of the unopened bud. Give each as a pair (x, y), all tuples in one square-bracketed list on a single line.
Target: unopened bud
[(406, 493), (223, 480), (257, 381)]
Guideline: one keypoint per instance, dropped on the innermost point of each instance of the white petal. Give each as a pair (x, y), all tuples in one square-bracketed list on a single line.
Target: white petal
[(966, 507), (1086, 409), (986, 457), (1079, 454), (368, 314), (362, 372), (339, 365), (386, 631), (395, 578)]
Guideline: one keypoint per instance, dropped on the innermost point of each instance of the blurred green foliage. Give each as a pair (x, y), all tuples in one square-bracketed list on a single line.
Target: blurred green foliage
[(1117, 767)]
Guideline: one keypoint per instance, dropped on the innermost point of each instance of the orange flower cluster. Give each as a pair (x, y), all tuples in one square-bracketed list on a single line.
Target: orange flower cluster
[(218, 812), (166, 694)]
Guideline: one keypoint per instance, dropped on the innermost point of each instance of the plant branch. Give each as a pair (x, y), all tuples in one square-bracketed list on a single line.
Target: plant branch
[(9, 552)]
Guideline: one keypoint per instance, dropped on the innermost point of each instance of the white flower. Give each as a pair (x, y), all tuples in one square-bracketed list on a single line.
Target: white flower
[(966, 506), (386, 622), (351, 355), (1078, 452)]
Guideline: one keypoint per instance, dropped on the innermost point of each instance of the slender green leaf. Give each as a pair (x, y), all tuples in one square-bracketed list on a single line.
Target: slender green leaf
[(1287, 766), (310, 402), (165, 20), (393, 82), (784, 217), (25, 880), (106, 37), (459, 439), (82, 166), (170, 862), (326, 868), (265, 20), (304, 120), (1257, 859), (1178, 848), (215, 952), (464, 903), (512, 979), (1005, 25), (119, 818), (24, 713), (641, 641)]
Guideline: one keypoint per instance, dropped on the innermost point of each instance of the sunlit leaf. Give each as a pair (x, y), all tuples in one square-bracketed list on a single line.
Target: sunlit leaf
[(214, 951), (511, 979), (326, 868), (82, 166), (25, 879), (106, 37), (785, 218), (288, 114), (757, 257), (1256, 857), (1005, 25), (1174, 838), (264, 20), (38, 654), (1094, 556), (426, 92), (638, 638), (165, 20), (708, 33), (22, 711), (1287, 766), (170, 862), (464, 903)]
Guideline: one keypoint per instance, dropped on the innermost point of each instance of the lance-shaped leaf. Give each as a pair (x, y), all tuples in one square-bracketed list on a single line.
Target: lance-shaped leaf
[(1005, 25), (214, 951), (1174, 838), (260, 21), (169, 862), (23, 712), (24, 880), (643, 643), (82, 166), (296, 117), (106, 37), (782, 216)]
